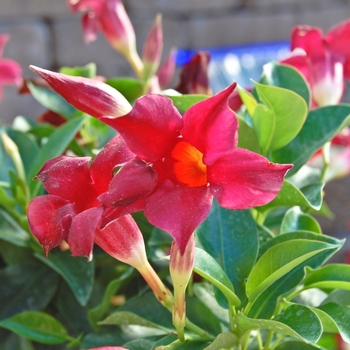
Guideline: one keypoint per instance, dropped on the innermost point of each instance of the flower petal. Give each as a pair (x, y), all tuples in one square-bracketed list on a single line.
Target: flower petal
[(204, 121), (122, 239), (178, 209), (115, 153), (133, 181), (88, 95), (151, 128), (82, 232), (10, 72), (69, 178), (49, 218), (90, 27), (245, 179), (337, 39)]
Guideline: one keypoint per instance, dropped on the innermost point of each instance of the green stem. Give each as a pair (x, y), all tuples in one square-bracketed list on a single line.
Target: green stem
[(277, 342), (259, 340), (268, 340), (326, 160)]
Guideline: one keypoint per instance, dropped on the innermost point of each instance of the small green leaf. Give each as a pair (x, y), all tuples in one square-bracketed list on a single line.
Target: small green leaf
[(278, 261), (87, 71), (209, 269), (287, 114), (184, 102), (130, 88), (333, 276), (223, 341), (321, 125), (37, 326), (248, 99), (55, 146), (76, 271), (285, 77), (296, 220), (53, 101), (297, 345)]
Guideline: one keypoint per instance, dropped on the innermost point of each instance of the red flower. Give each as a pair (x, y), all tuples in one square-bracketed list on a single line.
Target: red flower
[(10, 70), (324, 61), (71, 210), (181, 163)]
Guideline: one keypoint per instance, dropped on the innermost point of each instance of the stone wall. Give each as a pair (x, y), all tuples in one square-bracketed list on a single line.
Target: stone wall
[(45, 33)]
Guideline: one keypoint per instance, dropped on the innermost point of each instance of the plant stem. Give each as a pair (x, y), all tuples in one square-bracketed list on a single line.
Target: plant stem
[(268, 340), (326, 160)]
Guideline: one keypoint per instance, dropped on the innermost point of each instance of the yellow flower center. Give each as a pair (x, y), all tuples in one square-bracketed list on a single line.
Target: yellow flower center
[(188, 166)]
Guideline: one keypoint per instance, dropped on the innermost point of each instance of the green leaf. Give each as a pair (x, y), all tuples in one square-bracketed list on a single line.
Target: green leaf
[(295, 220), (341, 316), (297, 321), (247, 137), (285, 77), (76, 271), (321, 125), (248, 99), (130, 88), (55, 146), (223, 341), (209, 269), (184, 102), (87, 71), (37, 326), (329, 277), (296, 345), (53, 101), (130, 318), (98, 312), (231, 238), (11, 231), (308, 197), (278, 261), (287, 112), (143, 343), (26, 287)]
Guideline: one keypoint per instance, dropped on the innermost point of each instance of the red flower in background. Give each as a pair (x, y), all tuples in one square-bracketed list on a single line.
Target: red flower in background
[(324, 60), (10, 70)]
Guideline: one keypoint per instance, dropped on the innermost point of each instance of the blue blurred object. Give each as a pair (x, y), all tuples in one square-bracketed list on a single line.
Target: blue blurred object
[(239, 63)]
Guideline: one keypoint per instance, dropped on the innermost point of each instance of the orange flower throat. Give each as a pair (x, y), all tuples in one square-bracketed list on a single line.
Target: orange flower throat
[(188, 166)]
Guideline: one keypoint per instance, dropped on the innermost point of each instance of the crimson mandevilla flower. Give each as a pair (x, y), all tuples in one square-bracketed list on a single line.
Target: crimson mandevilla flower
[(182, 162), (324, 61)]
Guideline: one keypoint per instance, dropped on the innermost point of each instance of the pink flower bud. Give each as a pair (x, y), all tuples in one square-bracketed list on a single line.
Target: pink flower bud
[(88, 95)]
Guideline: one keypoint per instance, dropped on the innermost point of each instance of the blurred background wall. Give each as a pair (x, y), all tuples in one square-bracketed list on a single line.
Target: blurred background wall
[(45, 33)]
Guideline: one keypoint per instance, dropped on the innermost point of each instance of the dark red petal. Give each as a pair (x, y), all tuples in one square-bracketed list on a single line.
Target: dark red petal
[(150, 130), (49, 218), (69, 178), (179, 210), (114, 154), (134, 180), (211, 126), (122, 239), (245, 179), (82, 232)]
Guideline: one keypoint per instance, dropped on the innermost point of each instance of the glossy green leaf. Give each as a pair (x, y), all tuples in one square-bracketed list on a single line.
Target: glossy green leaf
[(329, 277), (87, 71), (145, 343), (247, 137), (98, 312), (278, 261), (53, 101), (296, 220), (231, 238), (248, 100), (297, 345), (264, 122), (26, 287), (285, 77), (184, 102), (129, 318), (308, 197), (321, 125), (223, 341), (287, 114), (37, 326), (76, 271), (341, 316), (209, 269), (11, 231), (339, 296), (130, 88), (297, 321), (55, 146)]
